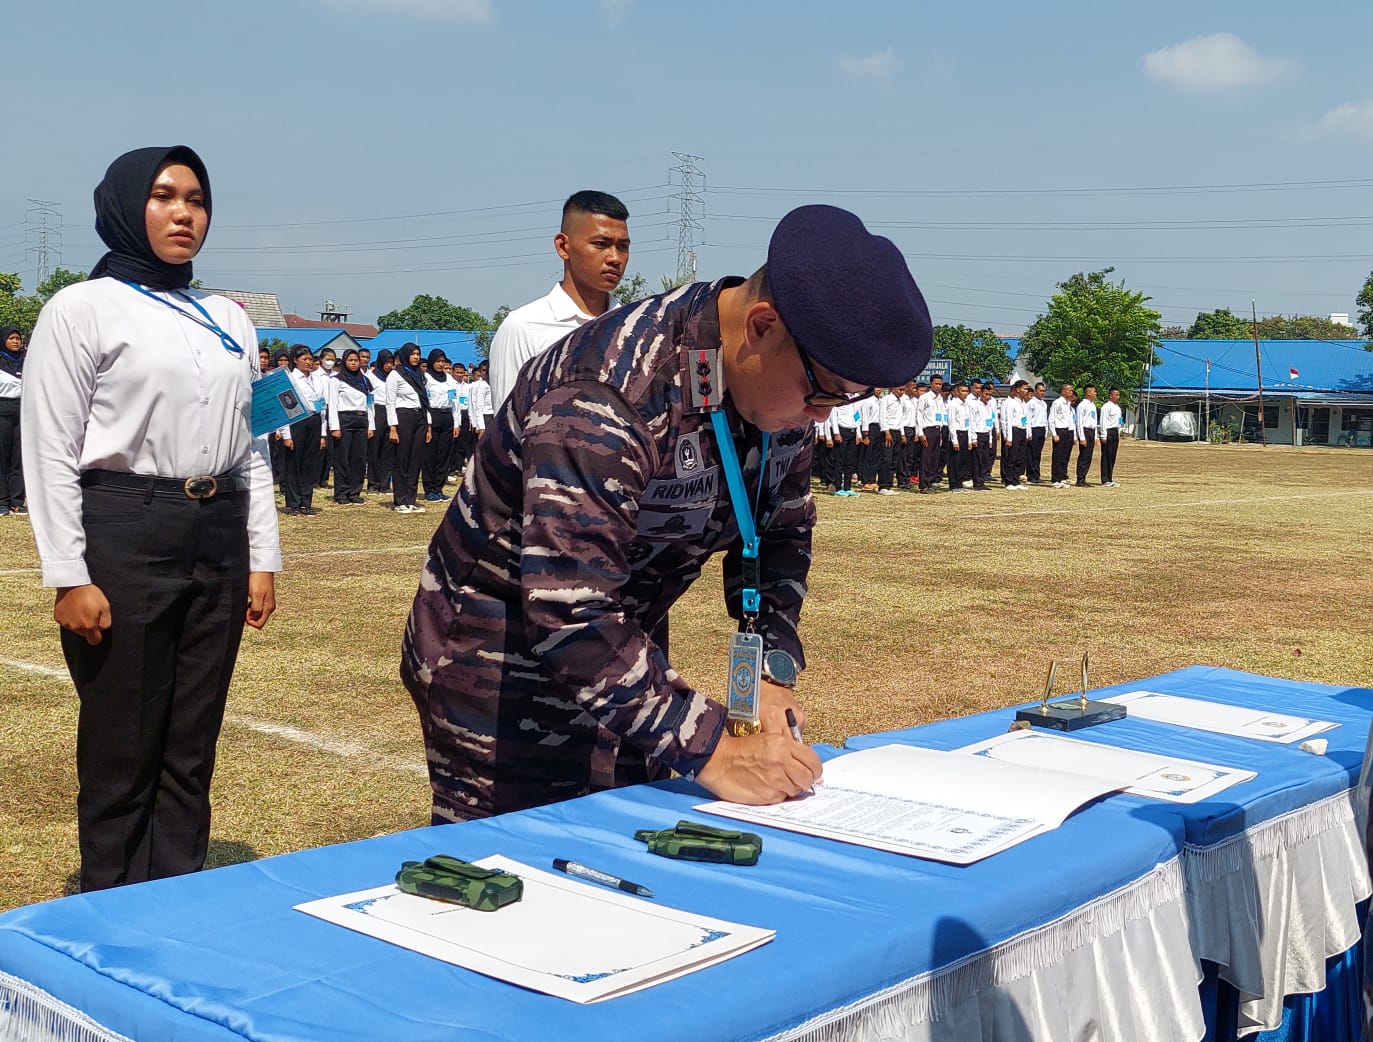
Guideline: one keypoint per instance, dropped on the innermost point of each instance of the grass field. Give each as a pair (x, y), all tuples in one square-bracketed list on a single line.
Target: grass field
[(920, 608)]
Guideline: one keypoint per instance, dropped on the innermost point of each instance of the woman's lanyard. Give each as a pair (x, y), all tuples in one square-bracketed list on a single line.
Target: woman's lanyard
[(230, 344), (738, 496)]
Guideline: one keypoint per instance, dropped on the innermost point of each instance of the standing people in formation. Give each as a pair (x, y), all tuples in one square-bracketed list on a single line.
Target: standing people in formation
[(945, 395), (443, 420), (1108, 430), (1063, 430), (153, 514), (530, 649), (466, 439), (1086, 433), (929, 413), (961, 440), (351, 427), (11, 444), (870, 425), (848, 420), (483, 408), (326, 365), (908, 474), (593, 243), (381, 450), (893, 440), (407, 419), (982, 423), (303, 441), (1015, 427), (827, 451), (1038, 413)]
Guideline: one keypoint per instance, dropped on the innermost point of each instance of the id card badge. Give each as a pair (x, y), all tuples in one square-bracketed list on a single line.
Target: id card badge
[(275, 403), (745, 678), (371, 400), (319, 405), (452, 395)]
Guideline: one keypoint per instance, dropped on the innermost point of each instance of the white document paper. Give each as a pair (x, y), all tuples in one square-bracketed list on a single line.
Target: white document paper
[(1139, 773), (564, 938), (928, 803), (1240, 721)]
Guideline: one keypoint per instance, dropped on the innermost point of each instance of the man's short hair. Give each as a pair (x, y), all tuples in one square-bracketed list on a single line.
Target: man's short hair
[(1088, 387), (593, 202), (921, 383), (935, 377), (961, 383), (1019, 384), (1039, 385), (1113, 390)]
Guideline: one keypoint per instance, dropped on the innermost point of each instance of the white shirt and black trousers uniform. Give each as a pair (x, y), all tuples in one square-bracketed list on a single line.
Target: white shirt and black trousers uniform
[(929, 410), (848, 419), (11, 466), (1111, 418), (146, 481), (1015, 428), (443, 416), (1063, 423), (351, 418), (407, 410), (303, 458), (1086, 439), (1038, 414), (381, 453)]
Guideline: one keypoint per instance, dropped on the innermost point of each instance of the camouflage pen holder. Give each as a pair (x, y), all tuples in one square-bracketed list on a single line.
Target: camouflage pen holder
[(445, 878), (692, 841)]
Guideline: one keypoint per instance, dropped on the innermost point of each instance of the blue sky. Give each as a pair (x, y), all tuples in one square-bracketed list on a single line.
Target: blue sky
[(1213, 151)]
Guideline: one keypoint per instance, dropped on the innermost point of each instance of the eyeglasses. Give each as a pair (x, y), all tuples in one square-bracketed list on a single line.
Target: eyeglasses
[(822, 398)]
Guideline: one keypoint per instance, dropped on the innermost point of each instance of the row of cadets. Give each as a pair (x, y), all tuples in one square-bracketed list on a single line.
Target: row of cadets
[(351, 426), (445, 415), (929, 421), (1038, 413), (1015, 428), (893, 444), (303, 441)]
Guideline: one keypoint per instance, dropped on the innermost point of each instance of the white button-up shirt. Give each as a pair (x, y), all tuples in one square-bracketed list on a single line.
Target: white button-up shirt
[(890, 418), (344, 397), (117, 381), (1061, 414), (928, 408), (1013, 417), (1086, 419), (1111, 416), (527, 332), (1037, 412)]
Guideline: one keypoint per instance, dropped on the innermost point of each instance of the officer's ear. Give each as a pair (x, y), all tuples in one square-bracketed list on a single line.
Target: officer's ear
[(763, 329)]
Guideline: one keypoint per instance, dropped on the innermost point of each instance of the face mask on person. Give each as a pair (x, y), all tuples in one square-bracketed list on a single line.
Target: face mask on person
[(328, 363)]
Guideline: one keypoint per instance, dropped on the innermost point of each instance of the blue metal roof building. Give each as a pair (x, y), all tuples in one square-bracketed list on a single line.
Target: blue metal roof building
[(315, 339), (458, 345)]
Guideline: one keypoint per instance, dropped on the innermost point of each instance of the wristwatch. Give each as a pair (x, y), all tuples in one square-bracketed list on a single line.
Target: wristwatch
[(779, 668)]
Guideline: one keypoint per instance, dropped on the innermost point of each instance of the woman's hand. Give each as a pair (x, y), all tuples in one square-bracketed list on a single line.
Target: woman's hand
[(85, 610)]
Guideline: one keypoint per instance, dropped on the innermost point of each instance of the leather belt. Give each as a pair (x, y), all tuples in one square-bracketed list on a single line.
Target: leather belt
[(201, 486)]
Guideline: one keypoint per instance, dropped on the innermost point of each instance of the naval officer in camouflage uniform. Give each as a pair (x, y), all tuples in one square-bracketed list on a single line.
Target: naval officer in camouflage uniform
[(594, 501)]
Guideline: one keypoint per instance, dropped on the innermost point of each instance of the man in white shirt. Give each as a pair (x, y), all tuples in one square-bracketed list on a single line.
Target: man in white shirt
[(1038, 413), (982, 423), (481, 401), (1108, 430), (1015, 426), (1063, 430), (929, 407), (910, 451), (1086, 433), (961, 440), (593, 243), (870, 428), (848, 419), (893, 438)]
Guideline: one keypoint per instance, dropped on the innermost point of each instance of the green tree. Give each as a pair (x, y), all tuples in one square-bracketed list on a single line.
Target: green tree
[(426, 312), (973, 352), (1365, 302), (1219, 325), (484, 336), (1095, 331), (629, 290), (1303, 327), (16, 309), (274, 344)]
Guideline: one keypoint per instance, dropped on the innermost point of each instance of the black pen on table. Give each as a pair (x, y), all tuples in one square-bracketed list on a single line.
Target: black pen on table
[(796, 733), (571, 868)]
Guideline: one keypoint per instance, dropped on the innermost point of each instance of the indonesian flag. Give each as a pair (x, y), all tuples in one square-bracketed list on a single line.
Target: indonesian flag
[(1292, 374)]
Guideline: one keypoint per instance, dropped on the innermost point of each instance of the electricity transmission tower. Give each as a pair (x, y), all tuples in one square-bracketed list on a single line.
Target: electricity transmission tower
[(43, 236), (690, 208)]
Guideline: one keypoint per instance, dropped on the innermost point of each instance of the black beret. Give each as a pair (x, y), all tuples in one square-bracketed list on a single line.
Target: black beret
[(848, 298)]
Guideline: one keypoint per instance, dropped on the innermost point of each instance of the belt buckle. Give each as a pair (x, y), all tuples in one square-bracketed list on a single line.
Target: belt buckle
[(205, 486)]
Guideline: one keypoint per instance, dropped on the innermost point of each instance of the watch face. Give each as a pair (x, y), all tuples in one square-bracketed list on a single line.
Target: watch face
[(780, 667)]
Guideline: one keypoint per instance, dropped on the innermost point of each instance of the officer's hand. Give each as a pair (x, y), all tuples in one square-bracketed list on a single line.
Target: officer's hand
[(85, 610), (262, 599), (773, 702), (760, 769), (288, 443)]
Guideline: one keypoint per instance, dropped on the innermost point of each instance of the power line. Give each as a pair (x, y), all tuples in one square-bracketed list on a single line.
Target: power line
[(1257, 186)]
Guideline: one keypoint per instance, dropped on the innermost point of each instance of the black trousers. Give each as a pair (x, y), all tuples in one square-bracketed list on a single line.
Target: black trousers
[(300, 463), (1013, 457), (886, 468), (823, 467), (1084, 454), (11, 464), (1034, 450), (152, 691), (929, 456), (411, 425), (326, 461), (982, 460), (350, 455), (437, 456), (1109, 448), (1062, 452), (381, 453), (871, 455), (960, 459), (464, 444), (906, 457), (847, 457)]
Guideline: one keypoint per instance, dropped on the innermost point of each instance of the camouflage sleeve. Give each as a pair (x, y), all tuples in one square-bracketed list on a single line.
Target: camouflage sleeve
[(783, 558), (587, 456)]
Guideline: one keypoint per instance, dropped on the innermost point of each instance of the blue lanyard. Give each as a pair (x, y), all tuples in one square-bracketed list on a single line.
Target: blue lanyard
[(230, 344), (738, 496)]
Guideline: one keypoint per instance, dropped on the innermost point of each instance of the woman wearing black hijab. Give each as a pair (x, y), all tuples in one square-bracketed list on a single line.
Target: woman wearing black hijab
[(153, 513), (350, 427), (11, 384), (443, 418), (381, 454), (407, 417)]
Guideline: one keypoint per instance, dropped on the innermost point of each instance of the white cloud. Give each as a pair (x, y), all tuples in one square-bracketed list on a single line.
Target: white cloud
[(1220, 61), (870, 66), (1352, 119), (614, 11), (447, 10)]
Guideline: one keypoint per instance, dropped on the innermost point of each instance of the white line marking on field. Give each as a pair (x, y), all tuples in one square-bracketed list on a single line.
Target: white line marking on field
[(19, 571), (335, 747), (1167, 504), (419, 548)]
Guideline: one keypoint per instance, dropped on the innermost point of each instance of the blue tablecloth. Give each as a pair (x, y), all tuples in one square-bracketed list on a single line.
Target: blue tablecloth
[(221, 955)]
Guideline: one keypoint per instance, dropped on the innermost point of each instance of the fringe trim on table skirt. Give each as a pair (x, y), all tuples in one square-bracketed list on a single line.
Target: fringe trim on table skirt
[(30, 1014)]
